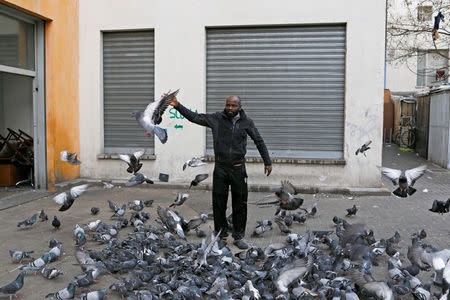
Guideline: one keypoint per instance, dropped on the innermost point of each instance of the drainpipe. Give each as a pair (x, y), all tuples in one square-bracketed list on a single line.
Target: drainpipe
[(385, 43)]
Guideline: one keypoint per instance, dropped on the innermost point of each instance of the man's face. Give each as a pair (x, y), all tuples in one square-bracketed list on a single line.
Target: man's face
[(232, 107)]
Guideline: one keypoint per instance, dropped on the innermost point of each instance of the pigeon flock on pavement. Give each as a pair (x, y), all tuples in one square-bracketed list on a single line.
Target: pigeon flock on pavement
[(160, 261)]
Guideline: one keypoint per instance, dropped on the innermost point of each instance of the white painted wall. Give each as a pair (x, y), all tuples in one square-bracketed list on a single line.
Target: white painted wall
[(180, 62), (17, 101)]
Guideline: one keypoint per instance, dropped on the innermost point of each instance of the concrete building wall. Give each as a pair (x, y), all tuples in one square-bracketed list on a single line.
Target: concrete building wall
[(180, 62)]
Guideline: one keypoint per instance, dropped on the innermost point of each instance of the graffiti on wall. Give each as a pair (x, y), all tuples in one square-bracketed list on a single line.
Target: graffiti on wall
[(174, 114), (364, 129)]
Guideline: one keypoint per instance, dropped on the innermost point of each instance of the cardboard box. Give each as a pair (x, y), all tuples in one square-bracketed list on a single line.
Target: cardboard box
[(10, 174)]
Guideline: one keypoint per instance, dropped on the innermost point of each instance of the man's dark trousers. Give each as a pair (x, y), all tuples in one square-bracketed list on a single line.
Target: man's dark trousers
[(224, 176)]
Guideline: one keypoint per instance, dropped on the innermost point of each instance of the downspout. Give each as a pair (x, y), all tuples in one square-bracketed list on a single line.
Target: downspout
[(385, 43)]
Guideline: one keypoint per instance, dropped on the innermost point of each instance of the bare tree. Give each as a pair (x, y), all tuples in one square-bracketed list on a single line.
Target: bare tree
[(410, 28)]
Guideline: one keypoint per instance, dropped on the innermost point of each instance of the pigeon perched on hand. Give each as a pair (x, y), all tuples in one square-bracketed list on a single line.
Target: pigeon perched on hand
[(181, 198), (28, 222), (133, 161), (440, 207), (12, 288), (404, 179), (199, 178), (351, 211), (67, 199), (136, 179), (152, 116), (363, 148), (194, 162), (71, 158)]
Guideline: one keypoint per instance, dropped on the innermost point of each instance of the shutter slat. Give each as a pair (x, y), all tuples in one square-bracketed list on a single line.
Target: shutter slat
[(128, 85), (291, 81)]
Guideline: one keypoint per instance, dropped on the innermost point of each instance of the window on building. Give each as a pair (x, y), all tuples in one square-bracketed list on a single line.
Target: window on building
[(291, 81), (424, 13), (432, 67), (128, 85)]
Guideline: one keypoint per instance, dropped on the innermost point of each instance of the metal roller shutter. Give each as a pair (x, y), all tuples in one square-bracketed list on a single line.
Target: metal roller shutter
[(291, 81), (128, 85)]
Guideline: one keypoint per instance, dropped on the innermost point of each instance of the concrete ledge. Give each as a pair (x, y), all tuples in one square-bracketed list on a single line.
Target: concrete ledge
[(289, 160), (116, 156), (381, 191)]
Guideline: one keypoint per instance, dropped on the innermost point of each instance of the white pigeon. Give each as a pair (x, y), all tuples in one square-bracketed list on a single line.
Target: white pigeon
[(152, 116)]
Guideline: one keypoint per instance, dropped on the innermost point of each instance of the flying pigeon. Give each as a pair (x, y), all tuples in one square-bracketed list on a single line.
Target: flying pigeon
[(71, 158), (181, 198), (12, 288), (43, 216), (194, 162), (67, 199), (405, 179), (198, 179), (133, 161), (28, 222), (18, 256), (363, 148), (441, 207), (152, 116), (138, 178), (351, 211)]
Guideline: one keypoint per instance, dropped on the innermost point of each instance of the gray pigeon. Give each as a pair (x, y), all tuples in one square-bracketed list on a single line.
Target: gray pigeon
[(67, 199), (94, 295), (152, 116), (138, 178), (63, 294), (18, 256), (136, 205), (28, 222), (181, 198), (440, 207), (12, 288), (121, 212), (194, 162), (113, 206), (133, 161), (363, 148), (312, 212), (404, 179), (199, 178), (71, 158), (43, 216), (50, 272)]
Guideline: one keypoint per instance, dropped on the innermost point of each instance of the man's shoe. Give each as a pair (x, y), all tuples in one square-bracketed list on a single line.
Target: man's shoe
[(240, 244)]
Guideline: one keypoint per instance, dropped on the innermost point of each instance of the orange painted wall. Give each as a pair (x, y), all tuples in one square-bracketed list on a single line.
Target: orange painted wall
[(61, 81)]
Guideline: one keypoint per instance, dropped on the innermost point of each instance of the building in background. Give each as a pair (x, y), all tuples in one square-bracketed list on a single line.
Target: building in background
[(310, 76)]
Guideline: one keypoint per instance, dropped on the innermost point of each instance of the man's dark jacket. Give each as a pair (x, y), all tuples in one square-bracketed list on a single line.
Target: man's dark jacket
[(230, 141)]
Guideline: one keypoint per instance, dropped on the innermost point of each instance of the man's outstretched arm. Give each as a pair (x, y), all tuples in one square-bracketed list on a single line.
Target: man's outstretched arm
[(200, 119), (259, 142)]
